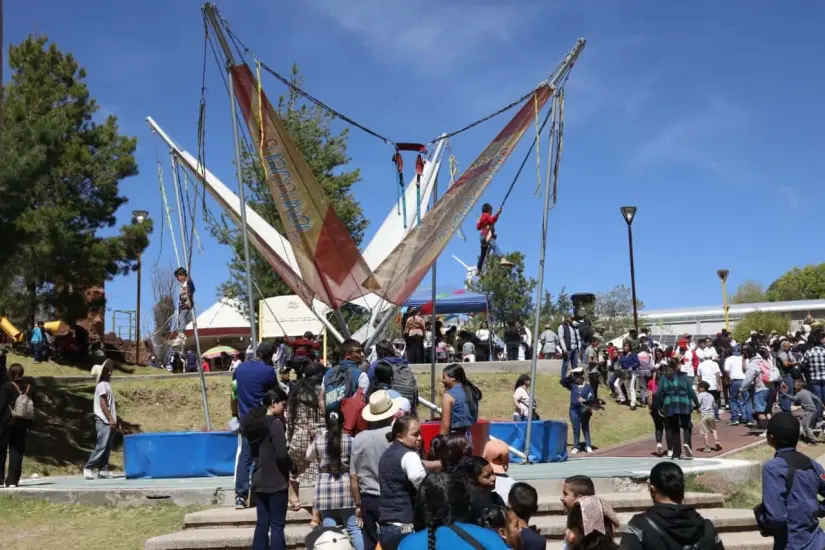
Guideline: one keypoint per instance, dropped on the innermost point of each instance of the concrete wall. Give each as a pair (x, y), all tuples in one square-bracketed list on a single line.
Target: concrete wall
[(545, 366)]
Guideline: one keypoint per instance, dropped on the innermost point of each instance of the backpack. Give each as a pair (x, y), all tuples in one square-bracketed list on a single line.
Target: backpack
[(340, 382), (351, 408), (403, 381), (23, 408), (769, 372)]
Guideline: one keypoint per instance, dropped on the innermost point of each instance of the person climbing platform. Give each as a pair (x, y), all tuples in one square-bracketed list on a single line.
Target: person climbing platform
[(487, 226)]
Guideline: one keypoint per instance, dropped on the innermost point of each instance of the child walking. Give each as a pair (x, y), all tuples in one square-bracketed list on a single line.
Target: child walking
[(581, 397), (707, 410), (487, 227)]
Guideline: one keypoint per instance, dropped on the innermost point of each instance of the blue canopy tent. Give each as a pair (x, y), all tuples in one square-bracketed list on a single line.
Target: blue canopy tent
[(458, 301)]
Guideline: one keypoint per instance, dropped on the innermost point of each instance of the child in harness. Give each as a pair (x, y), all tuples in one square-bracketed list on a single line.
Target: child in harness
[(487, 227)]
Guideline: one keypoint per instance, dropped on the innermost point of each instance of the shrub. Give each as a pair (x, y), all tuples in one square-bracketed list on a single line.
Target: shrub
[(760, 320)]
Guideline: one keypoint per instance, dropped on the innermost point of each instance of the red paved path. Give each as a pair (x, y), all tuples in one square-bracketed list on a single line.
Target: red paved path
[(731, 438)]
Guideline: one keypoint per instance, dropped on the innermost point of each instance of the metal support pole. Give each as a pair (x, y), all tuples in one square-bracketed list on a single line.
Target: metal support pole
[(433, 350), (537, 321), (632, 277), (253, 329), (723, 277), (179, 208), (137, 325), (200, 368)]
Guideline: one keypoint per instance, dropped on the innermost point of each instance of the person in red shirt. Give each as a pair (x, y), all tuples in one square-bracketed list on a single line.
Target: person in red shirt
[(487, 227)]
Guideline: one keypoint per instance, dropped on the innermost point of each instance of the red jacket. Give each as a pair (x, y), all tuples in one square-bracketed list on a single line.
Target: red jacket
[(303, 347), (485, 222)]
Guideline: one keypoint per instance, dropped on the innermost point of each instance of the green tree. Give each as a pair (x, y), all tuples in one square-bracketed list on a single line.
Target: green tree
[(509, 292), (760, 320), (553, 311), (749, 292), (614, 311), (60, 172), (326, 153), (807, 283)]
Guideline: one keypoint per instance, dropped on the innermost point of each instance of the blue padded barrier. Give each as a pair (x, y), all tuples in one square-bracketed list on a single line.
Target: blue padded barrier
[(179, 454), (548, 441)]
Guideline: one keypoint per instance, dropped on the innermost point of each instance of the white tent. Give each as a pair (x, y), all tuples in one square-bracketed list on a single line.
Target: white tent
[(289, 316), (223, 318)]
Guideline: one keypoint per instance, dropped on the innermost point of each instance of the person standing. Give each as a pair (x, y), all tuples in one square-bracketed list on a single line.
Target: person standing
[(549, 342), (676, 396), (38, 342), (754, 378), (254, 378), (414, 331), (569, 342), (787, 367), (512, 340), (13, 426), (459, 403), (264, 428), (741, 410), (105, 422), (521, 399)]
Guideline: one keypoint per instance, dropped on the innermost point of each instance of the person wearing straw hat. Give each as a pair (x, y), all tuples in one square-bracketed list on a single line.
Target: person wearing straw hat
[(105, 422), (367, 448)]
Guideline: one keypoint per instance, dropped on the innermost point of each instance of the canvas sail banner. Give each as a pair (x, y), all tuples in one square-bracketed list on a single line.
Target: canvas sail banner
[(405, 267), (328, 259)]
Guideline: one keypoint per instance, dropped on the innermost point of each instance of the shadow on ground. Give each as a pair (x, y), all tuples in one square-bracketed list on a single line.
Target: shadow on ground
[(62, 433)]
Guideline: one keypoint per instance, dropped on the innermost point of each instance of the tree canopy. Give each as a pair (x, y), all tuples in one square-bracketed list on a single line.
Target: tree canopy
[(509, 292), (807, 283), (749, 292), (325, 150), (60, 174), (760, 320), (614, 311)]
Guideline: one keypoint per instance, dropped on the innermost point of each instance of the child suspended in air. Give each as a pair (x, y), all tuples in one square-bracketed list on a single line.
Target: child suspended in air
[(487, 226)]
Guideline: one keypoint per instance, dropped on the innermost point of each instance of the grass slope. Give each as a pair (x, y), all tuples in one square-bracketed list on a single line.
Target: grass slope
[(52, 368), (28, 524), (63, 432)]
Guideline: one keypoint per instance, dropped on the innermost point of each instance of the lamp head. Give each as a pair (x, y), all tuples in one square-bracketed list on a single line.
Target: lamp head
[(628, 213), (139, 216), (723, 274)]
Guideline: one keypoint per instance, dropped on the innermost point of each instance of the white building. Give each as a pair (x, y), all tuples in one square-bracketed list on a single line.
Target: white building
[(667, 324)]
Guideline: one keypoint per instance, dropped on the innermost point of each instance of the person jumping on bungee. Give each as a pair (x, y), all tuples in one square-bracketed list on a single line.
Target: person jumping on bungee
[(487, 226)]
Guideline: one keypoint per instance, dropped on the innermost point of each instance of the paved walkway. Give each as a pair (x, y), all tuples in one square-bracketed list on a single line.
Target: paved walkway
[(731, 438)]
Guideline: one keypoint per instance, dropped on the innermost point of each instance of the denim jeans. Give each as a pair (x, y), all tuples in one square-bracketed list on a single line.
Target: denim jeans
[(370, 508), (581, 422), (817, 387), (269, 530), (103, 446), (570, 357), (184, 318), (330, 518), (243, 468), (760, 401), (785, 400), (740, 407), (391, 535)]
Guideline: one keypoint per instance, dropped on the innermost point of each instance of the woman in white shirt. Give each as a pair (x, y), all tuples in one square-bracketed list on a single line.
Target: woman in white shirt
[(483, 333), (521, 399)]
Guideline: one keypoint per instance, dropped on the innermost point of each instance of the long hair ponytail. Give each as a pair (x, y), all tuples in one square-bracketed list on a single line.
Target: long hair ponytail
[(335, 424), (471, 391)]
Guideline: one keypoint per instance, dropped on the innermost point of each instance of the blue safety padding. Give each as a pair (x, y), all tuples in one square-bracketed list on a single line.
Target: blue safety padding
[(179, 454), (548, 440)]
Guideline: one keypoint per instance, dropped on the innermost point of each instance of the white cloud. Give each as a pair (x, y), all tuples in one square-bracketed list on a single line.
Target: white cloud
[(430, 38), (697, 139)]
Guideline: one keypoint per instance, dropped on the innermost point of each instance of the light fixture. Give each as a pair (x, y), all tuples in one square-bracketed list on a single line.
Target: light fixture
[(723, 274), (628, 212), (139, 216)]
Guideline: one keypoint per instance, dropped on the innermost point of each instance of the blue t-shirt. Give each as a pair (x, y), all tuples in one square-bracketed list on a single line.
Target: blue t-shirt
[(254, 378), (447, 539), (531, 540)]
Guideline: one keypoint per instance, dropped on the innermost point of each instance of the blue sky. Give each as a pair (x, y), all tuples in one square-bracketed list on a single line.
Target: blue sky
[(706, 115)]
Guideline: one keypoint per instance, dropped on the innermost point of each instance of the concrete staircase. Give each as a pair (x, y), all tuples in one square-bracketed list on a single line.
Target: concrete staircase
[(230, 529)]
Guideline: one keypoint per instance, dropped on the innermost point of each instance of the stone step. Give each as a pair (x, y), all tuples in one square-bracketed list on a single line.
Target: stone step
[(750, 540), (735, 524), (548, 506)]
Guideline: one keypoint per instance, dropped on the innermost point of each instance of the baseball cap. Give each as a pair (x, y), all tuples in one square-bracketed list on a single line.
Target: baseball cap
[(497, 454), (327, 538)]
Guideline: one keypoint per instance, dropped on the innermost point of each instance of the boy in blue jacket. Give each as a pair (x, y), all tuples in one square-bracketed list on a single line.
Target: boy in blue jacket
[(791, 486), (581, 398)]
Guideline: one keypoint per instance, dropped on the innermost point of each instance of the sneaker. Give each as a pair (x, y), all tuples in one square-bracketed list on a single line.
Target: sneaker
[(659, 450), (633, 406), (88, 474), (670, 453), (240, 503), (574, 451), (734, 423), (11, 486), (688, 450), (718, 446), (105, 474), (588, 449)]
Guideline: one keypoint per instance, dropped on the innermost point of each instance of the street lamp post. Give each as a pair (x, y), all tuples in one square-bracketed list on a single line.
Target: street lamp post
[(723, 277), (139, 216), (628, 213)]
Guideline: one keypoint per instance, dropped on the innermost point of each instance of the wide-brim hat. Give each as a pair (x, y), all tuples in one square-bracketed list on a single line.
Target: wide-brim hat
[(380, 407), (97, 370)]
